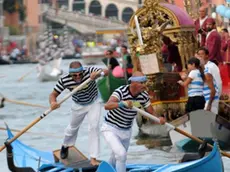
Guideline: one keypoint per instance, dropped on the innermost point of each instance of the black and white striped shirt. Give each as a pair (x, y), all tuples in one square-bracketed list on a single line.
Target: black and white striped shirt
[(84, 96), (123, 117)]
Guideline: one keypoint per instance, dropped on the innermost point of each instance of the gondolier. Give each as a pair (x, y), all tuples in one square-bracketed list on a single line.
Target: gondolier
[(85, 102), (118, 121)]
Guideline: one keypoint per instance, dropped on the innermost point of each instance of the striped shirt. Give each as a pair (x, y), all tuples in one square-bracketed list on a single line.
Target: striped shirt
[(84, 96), (209, 70), (122, 118), (195, 88)]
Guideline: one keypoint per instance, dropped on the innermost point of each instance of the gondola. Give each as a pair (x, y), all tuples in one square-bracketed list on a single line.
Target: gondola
[(22, 158)]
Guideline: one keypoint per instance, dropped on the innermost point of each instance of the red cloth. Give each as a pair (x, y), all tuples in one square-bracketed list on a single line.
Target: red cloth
[(225, 50), (197, 27), (224, 47), (213, 44), (225, 73), (210, 21)]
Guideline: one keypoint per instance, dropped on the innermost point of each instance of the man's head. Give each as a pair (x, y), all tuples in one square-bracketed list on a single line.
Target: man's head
[(202, 12), (210, 24), (138, 81), (124, 49), (109, 54), (203, 55), (76, 71)]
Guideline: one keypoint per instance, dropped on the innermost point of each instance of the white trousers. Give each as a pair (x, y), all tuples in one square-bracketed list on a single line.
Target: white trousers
[(78, 114), (119, 141), (215, 106)]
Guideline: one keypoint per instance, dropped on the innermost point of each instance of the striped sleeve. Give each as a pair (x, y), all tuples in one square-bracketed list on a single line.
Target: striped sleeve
[(59, 87), (192, 74), (118, 94), (207, 70), (146, 103), (93, 69)]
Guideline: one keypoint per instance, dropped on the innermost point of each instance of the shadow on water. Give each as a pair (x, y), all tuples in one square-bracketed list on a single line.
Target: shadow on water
[(151, 142)]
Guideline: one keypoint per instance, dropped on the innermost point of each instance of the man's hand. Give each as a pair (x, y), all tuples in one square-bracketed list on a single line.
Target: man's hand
[(54, 105), (94, 75), (209, 107), (162, 120), (180, 82), (128, 104), (106, 72)]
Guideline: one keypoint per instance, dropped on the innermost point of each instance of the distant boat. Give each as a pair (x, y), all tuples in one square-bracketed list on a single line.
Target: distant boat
[(92, 55), (22, 158), (50, 71)]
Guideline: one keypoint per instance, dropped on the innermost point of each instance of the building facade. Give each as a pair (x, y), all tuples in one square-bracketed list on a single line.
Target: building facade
[(123, 9)]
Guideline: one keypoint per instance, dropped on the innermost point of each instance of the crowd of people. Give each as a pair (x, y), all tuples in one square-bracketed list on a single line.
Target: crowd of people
[(12, 52), (204, 78), (217, 41), (119, 70)]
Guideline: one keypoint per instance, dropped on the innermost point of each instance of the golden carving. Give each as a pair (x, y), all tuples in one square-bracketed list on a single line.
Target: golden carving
[(156, 20)]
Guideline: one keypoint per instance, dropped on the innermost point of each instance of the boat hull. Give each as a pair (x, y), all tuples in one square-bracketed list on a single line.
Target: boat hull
[(212, 162), (50, 71), (202, 124)]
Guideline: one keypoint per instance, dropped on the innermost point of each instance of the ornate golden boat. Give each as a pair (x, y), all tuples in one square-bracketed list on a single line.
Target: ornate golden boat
[(159, 20)]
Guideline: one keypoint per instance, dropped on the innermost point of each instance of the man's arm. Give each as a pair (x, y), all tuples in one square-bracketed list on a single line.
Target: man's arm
[(112, 103), (53, 100), (95, 69), (186, 82), (115, 102), (209, 82), (150, 110)]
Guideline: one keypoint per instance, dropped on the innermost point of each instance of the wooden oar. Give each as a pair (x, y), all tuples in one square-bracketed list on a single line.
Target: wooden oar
[(82, 85), (26, 74), (3, 99), (41, 134), (172, 127)]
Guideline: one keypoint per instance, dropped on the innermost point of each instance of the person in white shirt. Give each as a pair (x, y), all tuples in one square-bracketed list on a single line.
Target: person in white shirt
[(195, 84), (213, 82)]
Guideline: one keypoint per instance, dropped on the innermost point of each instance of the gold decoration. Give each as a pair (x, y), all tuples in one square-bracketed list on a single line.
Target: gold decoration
[(155, 21)]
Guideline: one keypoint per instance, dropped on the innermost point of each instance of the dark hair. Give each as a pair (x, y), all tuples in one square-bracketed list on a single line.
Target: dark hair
[(110, 52), (225, 30), (215, 61), (124, 46), (196, 61), (203, 49), (75, 63)]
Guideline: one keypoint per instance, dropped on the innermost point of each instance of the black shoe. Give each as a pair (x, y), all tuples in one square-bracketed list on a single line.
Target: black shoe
[(64, 152)]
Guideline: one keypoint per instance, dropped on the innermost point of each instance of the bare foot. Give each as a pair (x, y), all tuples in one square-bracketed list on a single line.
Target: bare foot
[(94, 162)]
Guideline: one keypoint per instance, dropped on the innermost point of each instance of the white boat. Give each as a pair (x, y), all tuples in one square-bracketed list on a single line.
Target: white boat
[(92, 55), (50, 71), (203, 124)]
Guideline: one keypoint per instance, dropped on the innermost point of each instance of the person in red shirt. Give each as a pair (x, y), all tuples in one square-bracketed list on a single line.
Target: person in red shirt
[(200, 26), (213, 41)]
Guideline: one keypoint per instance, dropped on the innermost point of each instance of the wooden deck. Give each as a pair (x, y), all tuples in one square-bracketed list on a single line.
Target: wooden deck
[(74, 156)]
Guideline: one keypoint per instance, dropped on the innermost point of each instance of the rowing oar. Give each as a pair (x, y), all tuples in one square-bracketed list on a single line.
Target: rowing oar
[(146, 114), (26, 74), (3, 99), (82, 85)]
